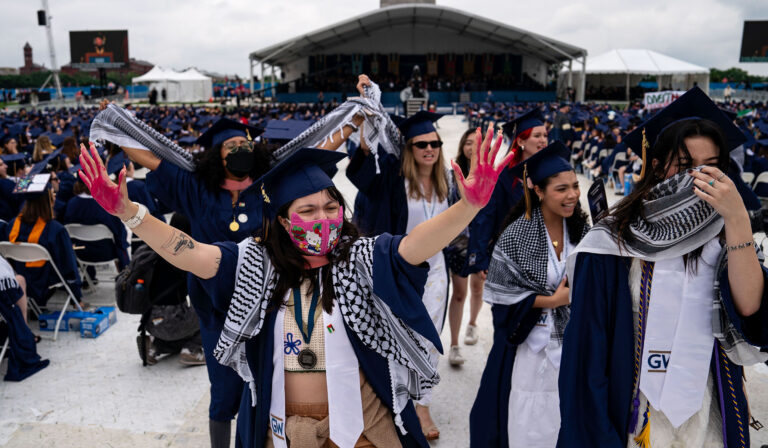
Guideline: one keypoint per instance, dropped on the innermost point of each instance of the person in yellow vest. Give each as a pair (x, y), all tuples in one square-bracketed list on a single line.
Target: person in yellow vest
[(35, 224)]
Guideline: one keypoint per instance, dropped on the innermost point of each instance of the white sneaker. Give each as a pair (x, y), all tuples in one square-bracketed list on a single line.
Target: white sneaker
[(471, 337), (454, 356)]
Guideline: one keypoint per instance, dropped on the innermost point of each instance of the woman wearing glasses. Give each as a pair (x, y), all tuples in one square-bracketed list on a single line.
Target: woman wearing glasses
[(406, 192)]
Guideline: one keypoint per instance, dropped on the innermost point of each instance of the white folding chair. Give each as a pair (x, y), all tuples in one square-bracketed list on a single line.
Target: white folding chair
[(90, 233), (748, 177), (29, 252)]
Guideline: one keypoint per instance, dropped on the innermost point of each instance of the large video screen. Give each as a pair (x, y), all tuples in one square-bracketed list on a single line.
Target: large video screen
[(108, 49), (754, 43)]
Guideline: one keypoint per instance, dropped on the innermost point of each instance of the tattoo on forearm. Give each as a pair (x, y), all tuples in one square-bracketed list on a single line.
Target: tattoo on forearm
[(178, 243)]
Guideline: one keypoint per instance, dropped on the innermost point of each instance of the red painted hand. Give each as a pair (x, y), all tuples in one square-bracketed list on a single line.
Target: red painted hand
[(113, 198), (478, 186)]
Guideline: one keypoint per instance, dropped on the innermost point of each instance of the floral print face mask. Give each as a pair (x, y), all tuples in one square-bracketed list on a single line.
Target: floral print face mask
[(317, 237)]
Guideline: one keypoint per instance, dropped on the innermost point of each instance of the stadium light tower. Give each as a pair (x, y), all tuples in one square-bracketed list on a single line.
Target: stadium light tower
[(44, 18)]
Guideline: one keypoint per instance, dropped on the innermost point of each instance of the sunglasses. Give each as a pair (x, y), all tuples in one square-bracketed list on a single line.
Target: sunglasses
[(234, 147), (435, 144)]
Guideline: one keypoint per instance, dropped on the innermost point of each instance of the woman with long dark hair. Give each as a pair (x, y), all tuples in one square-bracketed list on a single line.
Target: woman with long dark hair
[(223, 204), (456, 256), (668, 297), (517, 402), (327, 328)]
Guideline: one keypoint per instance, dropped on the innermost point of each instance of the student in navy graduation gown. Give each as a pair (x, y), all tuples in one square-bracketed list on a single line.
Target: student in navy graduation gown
[(83, 209), (528, 135), (35, 224), (222, 204), (404, 193), (23, 360), (653, 354), (372, 360), (517, 402)]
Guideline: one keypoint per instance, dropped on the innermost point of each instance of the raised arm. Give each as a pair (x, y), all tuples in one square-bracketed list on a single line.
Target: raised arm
[(334, 142), (175, 246), (431, 236), (140, 156)]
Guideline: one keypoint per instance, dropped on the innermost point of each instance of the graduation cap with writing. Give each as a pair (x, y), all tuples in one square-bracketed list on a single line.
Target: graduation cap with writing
[(33, 185), (693, 104), (305, 172), (284, 130), (523, 122), (224, 129), (420, 123), (546, 163)]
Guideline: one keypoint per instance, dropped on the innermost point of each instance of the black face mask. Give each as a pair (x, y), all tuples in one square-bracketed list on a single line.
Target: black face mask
[(240, 162)]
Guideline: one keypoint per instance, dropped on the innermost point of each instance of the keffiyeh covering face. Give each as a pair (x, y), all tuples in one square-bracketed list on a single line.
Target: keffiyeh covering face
[(363, 312), (122, 128), (674, 222)]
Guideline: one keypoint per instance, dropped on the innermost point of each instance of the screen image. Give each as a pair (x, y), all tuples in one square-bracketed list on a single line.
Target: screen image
[(99, 48), (754, 43)]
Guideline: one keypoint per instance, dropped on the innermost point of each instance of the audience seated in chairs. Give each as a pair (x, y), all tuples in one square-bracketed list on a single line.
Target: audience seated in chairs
[(35, 224), (83, 209)]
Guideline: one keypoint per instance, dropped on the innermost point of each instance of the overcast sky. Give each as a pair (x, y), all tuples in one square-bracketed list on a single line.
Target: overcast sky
[(218, 35)]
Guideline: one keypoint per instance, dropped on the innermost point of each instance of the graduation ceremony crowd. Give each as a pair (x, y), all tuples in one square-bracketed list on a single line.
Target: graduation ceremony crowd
[(319, 322)]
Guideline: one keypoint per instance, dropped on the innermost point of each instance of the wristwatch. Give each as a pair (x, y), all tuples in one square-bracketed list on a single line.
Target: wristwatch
[(136, 219)]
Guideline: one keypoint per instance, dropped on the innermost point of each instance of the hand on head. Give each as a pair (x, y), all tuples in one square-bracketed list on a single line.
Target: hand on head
[(478, 186), (113, 198)]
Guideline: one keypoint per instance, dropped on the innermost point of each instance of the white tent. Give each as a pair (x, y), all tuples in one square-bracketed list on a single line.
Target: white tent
[(627, 67), (179, 87)]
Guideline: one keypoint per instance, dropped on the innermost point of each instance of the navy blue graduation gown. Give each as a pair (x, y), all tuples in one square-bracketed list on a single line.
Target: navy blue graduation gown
[(385, 192), (490, 413), (402, 296), (56, 239), (138, 192), (487, 225), (597, 367), (10, 204), (23, 360), (86, 211), (210, 214)]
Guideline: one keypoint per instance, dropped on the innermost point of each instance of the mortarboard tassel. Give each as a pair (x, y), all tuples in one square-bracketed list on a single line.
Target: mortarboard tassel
[(643, 440), (526, 193), (645, 153)]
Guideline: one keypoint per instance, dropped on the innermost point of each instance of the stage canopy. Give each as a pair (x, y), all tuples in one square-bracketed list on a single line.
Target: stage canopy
[(627, 67), (416, 29)]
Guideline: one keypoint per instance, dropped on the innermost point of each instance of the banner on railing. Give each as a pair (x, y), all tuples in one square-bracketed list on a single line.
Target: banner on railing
[(658, 100)]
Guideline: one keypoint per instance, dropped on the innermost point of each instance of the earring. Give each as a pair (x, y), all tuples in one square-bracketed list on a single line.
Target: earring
[(522, 148)]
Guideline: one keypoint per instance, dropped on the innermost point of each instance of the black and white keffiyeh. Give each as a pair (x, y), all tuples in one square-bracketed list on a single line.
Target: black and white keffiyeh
[(363, 312), (674, 223), (122, 128), (518, 268)]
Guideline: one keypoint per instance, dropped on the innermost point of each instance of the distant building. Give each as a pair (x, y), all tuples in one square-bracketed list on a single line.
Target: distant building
[(8, 71), (29, 66)]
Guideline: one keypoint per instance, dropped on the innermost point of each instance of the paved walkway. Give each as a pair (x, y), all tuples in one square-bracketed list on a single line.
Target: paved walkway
[(96, 393)]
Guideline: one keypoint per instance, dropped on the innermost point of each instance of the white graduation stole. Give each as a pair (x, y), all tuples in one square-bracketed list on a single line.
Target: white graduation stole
[(345, 405), (678, 340)]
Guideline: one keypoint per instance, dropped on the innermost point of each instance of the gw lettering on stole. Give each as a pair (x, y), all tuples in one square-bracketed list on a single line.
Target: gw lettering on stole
[(542, 321), (658, 360), (277, 425)]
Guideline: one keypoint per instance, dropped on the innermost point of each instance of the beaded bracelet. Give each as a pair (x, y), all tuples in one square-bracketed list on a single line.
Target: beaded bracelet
[(739, 246)]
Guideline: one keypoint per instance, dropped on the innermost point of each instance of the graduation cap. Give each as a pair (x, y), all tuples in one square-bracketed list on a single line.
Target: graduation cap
[(225, 129), (397, 119), (15, 161), (420, 123), (693, 104), (284, 130), (549, 161), (527, 120), (33, 185), (187, 140), (45, 164), (305, 172), (116, 162)]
